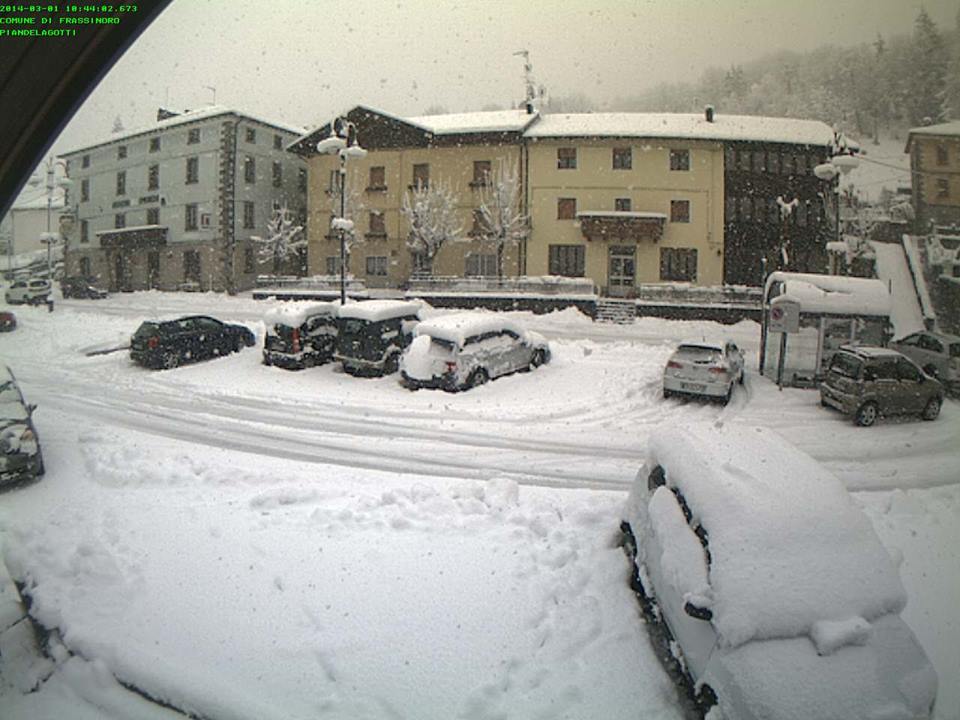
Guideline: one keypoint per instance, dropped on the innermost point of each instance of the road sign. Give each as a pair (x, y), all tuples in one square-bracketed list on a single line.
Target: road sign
[(784, 316)]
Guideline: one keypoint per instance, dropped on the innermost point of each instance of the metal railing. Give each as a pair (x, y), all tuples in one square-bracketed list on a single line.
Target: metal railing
[(530, 285)]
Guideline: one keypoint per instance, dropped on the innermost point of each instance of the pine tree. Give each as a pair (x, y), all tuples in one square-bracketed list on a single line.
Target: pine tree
[(926, 97)]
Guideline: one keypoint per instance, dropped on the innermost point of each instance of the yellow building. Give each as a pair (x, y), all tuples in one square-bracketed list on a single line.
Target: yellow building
[(460, 152), (935, 174)]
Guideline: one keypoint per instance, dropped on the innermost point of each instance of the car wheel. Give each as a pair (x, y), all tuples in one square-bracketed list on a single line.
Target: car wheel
[(538, 359), (479, 377), (667, 394), (41, 468), (309, 361), (867, 414), (169, 360), (249, 338), (391, 364), (726, 398), (932, 410), (743, 374)]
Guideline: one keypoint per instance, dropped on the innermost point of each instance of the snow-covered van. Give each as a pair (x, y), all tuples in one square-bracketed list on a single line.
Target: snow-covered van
[(300, 335), (463, 350), (767, 584), (373, 333)]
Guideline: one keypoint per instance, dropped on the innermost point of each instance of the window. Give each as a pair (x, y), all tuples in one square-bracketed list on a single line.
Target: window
[(84, 190), (119, 220), (251, 135), (85, 161), (480, 265), (773, 163), (84, 231), (190, 220), (621, 204), (378, 178), (153, 177), (481, 173), (302, 179), (943, 157), (153, 216), (730, 209), (759, 162), (333, 264), (743, 160), (746, 208), (678, 264), (277, 175), (786, 163), (943, 188), (421, 175), (680, 211), (377, 265), (155, 144), (679, 159), (122, 182), (623, 158), (249, 170), (278, 142), (193, 136), (121, 152), (566, 208), (566, 158), (568, 260), (193, 170), (248, 264), (800, 164), (800, 213), (85, 267), (248, 218), (377, 224), (931, 344), (191, 265)]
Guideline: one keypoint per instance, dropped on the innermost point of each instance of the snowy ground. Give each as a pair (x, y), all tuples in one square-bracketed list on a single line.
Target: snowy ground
[(246, 542)]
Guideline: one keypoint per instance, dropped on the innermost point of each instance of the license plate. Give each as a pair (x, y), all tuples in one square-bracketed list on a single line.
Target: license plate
[(694, 387)]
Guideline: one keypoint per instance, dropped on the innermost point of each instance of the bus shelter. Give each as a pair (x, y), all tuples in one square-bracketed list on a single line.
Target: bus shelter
[(832, 311)]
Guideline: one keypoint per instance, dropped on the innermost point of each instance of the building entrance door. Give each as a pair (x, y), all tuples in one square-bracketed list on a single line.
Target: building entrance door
[(622, 275), (121, 273)]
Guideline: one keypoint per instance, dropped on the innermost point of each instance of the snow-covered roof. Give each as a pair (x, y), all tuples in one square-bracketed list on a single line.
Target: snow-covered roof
[(457, 327), (473, 122), (947, 128), (294, 314), (684, 126), (833, 293), (376, 310), (788, 547), (181, 119)]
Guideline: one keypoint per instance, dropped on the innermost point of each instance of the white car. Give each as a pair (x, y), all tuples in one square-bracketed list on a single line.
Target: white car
[(765, 585), (704, 367), (34, 291), (463, 350)]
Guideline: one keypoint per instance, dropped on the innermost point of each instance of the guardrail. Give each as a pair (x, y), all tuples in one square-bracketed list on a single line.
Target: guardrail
[(528, 285)]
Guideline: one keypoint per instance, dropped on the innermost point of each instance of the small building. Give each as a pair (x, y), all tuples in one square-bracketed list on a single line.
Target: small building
[(935, 174), (23, 227), (176, 204), (833, 311)]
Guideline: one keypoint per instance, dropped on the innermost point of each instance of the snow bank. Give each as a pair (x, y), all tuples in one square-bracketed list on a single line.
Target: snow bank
[(788, 546)]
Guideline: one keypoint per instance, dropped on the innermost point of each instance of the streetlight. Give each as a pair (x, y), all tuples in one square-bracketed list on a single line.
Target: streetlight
[(52, 184), (343, 142), (841, 161)]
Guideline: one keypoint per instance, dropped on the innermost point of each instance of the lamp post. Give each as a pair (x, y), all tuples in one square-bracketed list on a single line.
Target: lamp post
[(52, 183), (343, 142), (841, 161)]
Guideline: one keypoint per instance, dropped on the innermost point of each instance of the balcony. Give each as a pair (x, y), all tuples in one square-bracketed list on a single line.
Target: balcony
[(620, 226), (132, 238)]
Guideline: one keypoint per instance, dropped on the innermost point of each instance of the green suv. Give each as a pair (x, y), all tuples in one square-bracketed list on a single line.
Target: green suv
[(867, 382)]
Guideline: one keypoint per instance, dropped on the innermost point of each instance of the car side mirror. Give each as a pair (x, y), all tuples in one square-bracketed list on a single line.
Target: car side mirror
[(700, 613), (30, 408)]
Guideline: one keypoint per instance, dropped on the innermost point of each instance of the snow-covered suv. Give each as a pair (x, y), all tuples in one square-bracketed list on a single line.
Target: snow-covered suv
[(764, 586), (33, 292)]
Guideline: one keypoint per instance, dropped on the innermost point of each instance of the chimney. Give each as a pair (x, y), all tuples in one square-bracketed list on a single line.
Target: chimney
[(708, 113), (163, 114)]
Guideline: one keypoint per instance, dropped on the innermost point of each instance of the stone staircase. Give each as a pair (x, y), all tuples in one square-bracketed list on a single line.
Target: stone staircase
[(613, 310)]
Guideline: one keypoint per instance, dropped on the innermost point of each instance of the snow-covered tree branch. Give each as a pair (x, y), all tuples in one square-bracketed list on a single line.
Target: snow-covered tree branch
[(501, 223), (283, 238), (431, 212)]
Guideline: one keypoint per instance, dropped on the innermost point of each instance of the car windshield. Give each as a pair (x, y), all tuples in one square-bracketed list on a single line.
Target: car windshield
[(219, 522)]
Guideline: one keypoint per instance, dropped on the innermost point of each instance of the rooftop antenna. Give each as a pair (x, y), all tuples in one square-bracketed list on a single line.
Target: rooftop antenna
[(212, 89), (530, 87)]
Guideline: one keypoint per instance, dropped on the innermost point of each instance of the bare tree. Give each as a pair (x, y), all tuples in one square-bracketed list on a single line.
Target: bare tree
[(431, 211), (282, 239), (501, 223)]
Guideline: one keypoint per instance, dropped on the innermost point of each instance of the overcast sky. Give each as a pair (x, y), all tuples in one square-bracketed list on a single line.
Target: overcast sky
[(300, 61)]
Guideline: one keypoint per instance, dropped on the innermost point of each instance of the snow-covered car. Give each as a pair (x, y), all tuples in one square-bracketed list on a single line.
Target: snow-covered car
[(705, 368), (32, 292), (766, 585), (8, 321), (300, 335), (81, 287), (938, 354), (870, 382), (20, 455), (188, 339), (463, 350), (372, 334)]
